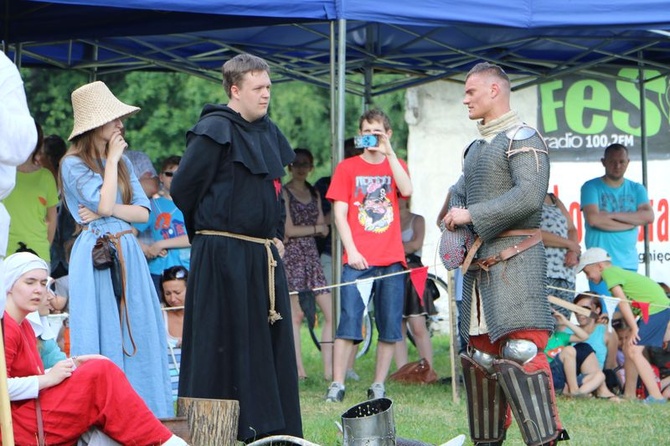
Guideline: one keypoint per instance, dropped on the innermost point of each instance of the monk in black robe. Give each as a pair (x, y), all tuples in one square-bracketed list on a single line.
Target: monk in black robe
[(238, 340)]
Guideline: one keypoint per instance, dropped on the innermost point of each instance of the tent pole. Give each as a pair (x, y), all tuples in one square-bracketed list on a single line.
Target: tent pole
[(341, 79), (338, 55), (643, 150)]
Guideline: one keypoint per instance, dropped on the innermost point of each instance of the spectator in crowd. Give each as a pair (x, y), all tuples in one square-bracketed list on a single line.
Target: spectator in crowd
[(114, 309), (568, 361), (416, 309), (32, 206), (144, 170), (18, 137), (146, 174), (59, 405), (660, 358), (53, 150), (173, 284), (58, 294), (50, 352), (169, 244), (613, 208), (304, 223), (561, 245), (364, 191), (603, 342), (630, 287), (229, 188)]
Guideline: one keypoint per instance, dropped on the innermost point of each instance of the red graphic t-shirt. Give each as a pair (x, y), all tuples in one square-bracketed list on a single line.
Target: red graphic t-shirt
[(373, 216)]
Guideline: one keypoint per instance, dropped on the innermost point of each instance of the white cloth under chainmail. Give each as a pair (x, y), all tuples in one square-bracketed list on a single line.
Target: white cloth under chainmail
[(489, 130)]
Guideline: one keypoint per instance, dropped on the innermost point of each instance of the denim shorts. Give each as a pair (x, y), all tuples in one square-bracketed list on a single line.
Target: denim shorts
[(557, 375), (388, 298), (652, 333)]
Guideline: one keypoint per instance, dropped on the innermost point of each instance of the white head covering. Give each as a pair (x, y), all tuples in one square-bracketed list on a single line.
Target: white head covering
[(17, 265), (20, 263)]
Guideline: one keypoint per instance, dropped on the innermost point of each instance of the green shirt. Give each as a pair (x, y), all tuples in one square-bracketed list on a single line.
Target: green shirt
[(27, 205), (555, 344), (637, 287)]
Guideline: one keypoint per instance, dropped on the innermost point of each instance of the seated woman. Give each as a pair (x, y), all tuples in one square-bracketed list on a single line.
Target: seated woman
[(603, 342), (567, 361), (173, 291), (75, 394)]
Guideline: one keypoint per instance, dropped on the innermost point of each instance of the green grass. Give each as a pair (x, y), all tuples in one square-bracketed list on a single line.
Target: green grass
[(428, 413)]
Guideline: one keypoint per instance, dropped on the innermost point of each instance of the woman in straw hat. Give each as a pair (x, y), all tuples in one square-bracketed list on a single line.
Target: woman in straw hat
[(76, 393), (113, 311)]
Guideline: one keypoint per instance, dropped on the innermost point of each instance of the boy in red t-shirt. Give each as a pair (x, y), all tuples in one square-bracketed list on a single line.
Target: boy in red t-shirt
[(364, 191)]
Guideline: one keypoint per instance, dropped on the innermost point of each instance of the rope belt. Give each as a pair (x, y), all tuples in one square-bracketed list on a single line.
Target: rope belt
[(533, 237), (274, 316)]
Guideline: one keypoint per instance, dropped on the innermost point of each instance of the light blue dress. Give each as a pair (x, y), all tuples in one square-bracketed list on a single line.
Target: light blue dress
[(94, 314)]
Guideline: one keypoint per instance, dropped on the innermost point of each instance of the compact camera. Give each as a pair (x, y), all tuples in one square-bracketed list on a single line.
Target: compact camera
[(363, 141)]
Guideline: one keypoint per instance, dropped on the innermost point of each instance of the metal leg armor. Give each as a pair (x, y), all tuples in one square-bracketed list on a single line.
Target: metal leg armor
[(487, 405), (532, 402)]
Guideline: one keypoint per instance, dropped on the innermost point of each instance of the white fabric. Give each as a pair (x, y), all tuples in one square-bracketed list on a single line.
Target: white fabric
[(18, 137), (18, 264), (23, 388), (365, 290), (41, 326), (175, 441), (96, 437)]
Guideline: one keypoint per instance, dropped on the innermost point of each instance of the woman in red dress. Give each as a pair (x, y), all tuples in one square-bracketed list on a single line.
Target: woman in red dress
[(77, 393)]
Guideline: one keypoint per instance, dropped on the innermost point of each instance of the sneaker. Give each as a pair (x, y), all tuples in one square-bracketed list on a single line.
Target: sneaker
[(352, 375), (651, 400), (335, 393), (376, 390)]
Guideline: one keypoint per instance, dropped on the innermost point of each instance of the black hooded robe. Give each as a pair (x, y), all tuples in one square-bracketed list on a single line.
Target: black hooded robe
[(229, 180)]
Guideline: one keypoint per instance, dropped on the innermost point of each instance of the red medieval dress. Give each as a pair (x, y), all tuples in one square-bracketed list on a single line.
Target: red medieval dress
[(96, 395)]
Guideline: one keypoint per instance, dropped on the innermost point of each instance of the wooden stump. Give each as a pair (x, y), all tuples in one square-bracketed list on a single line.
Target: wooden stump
[(210, 421)]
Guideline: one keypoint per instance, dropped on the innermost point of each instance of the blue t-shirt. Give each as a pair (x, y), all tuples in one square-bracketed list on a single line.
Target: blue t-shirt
[(620, 245), (166, 221)]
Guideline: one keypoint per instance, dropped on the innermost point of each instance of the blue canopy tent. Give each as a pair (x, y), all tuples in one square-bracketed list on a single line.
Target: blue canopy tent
[(425, 39)]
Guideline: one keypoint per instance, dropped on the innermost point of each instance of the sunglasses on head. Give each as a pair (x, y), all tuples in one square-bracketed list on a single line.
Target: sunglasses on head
[(175, 273), (168, 173)]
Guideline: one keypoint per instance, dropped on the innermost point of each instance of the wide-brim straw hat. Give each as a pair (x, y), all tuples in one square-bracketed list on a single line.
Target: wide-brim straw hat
[(94, 105)]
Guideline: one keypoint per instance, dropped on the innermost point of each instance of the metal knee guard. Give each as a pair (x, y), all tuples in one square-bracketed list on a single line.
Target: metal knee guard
[(532, 402), (520, 351), (487, 405)]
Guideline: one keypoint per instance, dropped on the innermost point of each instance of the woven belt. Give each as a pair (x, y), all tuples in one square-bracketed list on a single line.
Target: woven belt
[(533, 237), (123, 304), (274, 316)]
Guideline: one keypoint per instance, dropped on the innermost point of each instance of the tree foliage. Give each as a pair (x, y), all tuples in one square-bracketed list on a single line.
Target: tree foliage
[(171, 104)]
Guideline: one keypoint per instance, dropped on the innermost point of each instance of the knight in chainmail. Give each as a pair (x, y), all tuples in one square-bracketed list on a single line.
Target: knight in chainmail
[(499, 197)]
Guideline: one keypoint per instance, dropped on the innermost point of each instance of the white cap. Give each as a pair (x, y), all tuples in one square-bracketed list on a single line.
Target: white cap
[(591, 256)]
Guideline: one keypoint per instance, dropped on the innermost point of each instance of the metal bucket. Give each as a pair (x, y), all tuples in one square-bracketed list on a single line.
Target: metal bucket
[(369, 424)]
